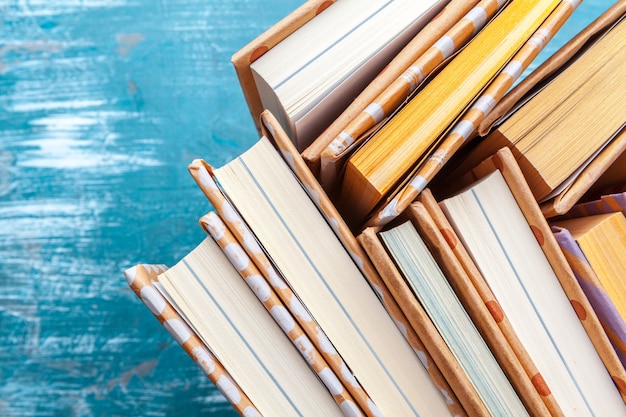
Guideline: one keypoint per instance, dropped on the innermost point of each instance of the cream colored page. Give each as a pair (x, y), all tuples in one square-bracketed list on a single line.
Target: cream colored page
[(244, 337), (307, 252), (530, 294)]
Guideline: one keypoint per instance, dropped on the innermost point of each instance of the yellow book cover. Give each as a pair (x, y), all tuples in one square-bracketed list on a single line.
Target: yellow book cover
[(387, 158)]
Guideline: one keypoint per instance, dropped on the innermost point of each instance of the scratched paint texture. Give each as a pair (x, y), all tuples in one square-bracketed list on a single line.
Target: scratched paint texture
[(103, 103)]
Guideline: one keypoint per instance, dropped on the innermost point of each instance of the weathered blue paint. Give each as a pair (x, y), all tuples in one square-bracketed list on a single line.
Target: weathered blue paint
[(103, 103)]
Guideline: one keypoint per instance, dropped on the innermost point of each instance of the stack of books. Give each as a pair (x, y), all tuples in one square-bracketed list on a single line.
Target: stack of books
[(415, 233)]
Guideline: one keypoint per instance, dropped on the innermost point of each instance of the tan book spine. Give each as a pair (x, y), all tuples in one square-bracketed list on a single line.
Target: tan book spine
[(141, 279), (563, 202), (288, 316), (482, 306), (505, 162)]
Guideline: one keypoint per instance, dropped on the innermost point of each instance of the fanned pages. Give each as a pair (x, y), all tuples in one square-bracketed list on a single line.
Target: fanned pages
[(481, 304), (246, 239), (503, 160), (290, 230), (141, 279), (287, 316), (535, 287), (611, 156), (465, 129), (208, 291)]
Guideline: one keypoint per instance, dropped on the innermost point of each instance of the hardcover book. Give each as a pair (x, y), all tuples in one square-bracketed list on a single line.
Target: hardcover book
[(502, 228)]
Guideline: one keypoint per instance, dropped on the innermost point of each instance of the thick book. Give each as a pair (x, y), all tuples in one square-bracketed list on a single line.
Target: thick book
[(208, 292), (311, 75), (465, 129), (571, 95), (421, 289), (481, 305), (604, 305), (502, 228), (305, 250), (387, 158)]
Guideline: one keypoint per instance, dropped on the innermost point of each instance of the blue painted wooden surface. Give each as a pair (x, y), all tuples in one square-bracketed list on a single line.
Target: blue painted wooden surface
[(103, 103)]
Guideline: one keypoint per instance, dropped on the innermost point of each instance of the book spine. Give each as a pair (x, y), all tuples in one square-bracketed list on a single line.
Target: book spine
[(482, 306), (563, 202), (465, 128), (140, 278), (611, 203), (614, 202), (421, 323), (327, 209), (283, 314), (242, 234), (505, 161), (402, 87), (448, 16)]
